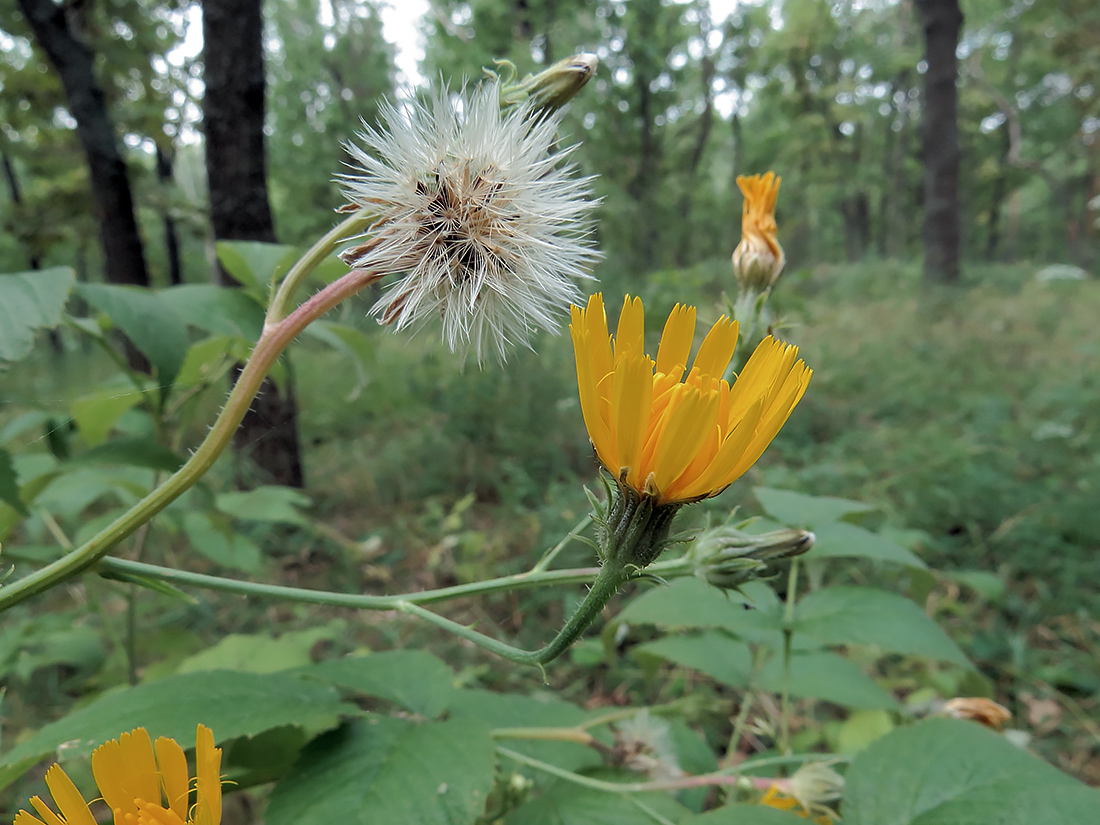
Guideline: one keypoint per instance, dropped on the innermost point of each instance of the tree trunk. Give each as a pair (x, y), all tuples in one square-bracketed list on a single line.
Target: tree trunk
[(941, 21), (171, 237), (233, 119), (123, 256)]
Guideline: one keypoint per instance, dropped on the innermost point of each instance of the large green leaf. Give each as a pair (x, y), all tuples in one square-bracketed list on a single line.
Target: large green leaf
[(149, 321), (827, 676), (953, 772), (843, 540), (253, 264), (566, 803), (261, 653), (354, 343), (685, 603), (413, 679), (745, 815), (712, 652), (136, 451), (97, 413), (31, 301), (232, 704), (800, 510), (388, 770), (854, 615), (218, 310), (213, 536)]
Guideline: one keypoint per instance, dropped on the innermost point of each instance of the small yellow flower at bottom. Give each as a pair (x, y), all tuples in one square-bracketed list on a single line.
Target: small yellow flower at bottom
[(775, 798), (669, 433), (132, 774)]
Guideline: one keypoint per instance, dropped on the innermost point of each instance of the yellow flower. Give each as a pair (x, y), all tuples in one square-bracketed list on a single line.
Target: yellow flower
[(775, 798), (132, 774), (758, 259), (672, 434)]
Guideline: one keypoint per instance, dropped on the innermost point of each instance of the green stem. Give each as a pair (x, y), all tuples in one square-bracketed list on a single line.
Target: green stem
[(353, 225), (353, 600), (739, 725), (272, 342), (785, 695), (552, 553)]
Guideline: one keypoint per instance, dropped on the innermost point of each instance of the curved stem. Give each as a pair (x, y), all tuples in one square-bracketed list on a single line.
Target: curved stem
[(277, 310), (354, 600), (272, 342), (785, 694)]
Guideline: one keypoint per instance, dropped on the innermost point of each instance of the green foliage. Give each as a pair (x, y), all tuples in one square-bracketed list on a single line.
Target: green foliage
[(30, 301)]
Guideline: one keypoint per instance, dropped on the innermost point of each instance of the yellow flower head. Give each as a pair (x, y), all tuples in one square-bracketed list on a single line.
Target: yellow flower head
[(775, 798), (669, 433), (758, 259), (135, 777)]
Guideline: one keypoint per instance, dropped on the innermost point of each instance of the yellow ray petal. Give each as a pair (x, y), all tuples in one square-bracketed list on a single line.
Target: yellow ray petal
[(588, 388), (125, 769), (689, 425), (208, 760), (69, 802), (676, 339), (24, 818), (173, 774), (717, 348), (722, 471), (631, 398), (45, 812)]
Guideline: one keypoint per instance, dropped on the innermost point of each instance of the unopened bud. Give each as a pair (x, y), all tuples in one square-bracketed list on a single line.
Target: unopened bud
[(551, 88), (758, 259), (728, 557)]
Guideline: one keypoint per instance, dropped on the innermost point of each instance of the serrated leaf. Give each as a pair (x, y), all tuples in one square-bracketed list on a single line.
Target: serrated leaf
[(852, 615), (745, 815), (827, 676), (259, 652), (30, 301), (387, 770), (270, 503), (97, 413), (955, 772), (413, 679), (231, 704), (843, 540), (712, 652), (800, 510), (218, 310), (149, 322), (9, 484), (137, 451), (253, 264), (685, 603), (214, 537)]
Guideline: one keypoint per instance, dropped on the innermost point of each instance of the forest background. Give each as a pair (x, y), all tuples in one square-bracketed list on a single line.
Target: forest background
[(960, 405)]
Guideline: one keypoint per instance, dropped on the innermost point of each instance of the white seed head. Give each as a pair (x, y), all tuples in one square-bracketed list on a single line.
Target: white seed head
[(486, 226)]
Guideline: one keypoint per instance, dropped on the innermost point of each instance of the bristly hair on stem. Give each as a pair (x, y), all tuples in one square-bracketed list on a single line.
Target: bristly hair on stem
[(487, 227)]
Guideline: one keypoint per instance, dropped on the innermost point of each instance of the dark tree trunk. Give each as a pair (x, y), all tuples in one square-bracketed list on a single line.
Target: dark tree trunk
[(233, 118), (941, 21), (1000, 189), (171, 237), (123, 256)]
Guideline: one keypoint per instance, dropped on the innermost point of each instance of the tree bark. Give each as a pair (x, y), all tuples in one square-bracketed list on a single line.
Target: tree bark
[(123, 255), (171, 237), (941, 21), (233, 120)]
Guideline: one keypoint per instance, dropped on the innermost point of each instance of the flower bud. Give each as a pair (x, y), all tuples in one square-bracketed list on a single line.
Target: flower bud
[(728, 557), (551, 88), (758, 259)]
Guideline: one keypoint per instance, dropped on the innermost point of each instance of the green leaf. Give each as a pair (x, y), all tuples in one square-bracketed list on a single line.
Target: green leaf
[(9, 484), (206, 359), (96, 414), (745, 815), (413, 679), (827, 676), (843, 540), (955, 772), (213, 536), (861, 729), (218, 310), (854, 615), (387, 770), (566, 803), (685, 603), (271, 503), (254, 264), (36, 482), (712, 652), (149, 322), (31, 301), (800, 510), (988, 585), (259, 652), (137, 451), (354, 343), (231, 704)]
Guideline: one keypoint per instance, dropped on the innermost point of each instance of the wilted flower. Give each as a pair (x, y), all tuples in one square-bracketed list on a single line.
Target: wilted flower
[(486, 226), (132, 774), (758, 259), (776, 798), (667, 432), (984, 711)]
